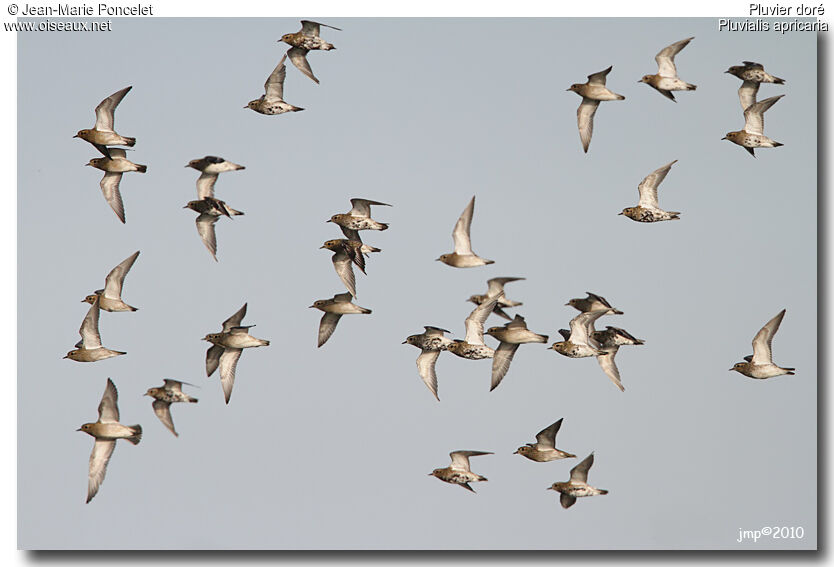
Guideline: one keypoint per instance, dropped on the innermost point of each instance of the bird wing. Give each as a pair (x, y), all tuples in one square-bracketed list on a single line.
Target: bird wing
[(517, 323), (460, 234), (108, 407), (362, 207), (298, 57), (102, 449), (585, 120), (666, 58), (425, 366), (312, 28), (205, 228), (434, 331), (90, 337), (341, 262), (274, 85), (213, 358), (606, 362), (501, 363), (106, 108), (754, 115), (579, 473), (495, 285), (762, 353), (327, 326), (460, 459), (599, 298), (163, 412), (566, 500), (174, 385), (110, 188), (115, 279), (648, 187), (475, 322), (747, 94), (547, 436), (205, 185), (235, 320), (351, 234), (582, 326), (228, 364), (599, 78)]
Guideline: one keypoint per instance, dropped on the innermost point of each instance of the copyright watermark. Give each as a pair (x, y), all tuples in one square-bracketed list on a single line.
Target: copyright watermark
[(771, 532)]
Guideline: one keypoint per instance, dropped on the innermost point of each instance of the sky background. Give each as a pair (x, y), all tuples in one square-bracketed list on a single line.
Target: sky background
[(330, 448)]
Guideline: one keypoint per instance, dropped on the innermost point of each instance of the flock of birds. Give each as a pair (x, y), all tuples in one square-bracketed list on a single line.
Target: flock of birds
[(581, 340), (666, 80)]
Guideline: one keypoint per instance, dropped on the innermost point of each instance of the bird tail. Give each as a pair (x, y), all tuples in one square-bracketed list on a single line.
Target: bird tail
[(365, 311), (483, 478), (193, 400), (141, 168), (617, 311), (367, 249), (777, 144), (489, 262), (136, 430), (675, 215), (619, 97), (690, 87), (233, 212), (296, 109), (601, 491), (264, 342), (778, 81), (541, 338), (384, 226), (129, 142)]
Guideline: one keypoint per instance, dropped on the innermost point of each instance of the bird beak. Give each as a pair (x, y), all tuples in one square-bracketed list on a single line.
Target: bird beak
[(311, 306), (549, 488), (515, 452), (405, 342), (567, 304), (188, 165), (329, 220), (437, 259), (320, 247), (79, 429), (88, 164), (67, 356), (76, 137), (247, 106), (724, 138), (619, 213), (729, 369), (567, 89)]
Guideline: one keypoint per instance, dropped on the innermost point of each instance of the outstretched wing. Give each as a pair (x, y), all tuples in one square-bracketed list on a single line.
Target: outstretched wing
[(274, 85), (762, 353), (460, 234), (585, 120), (106, 108), (648, 187), (666, 58)]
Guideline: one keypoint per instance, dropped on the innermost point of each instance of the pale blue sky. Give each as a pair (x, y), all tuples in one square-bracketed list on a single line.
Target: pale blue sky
[(330, 448)]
